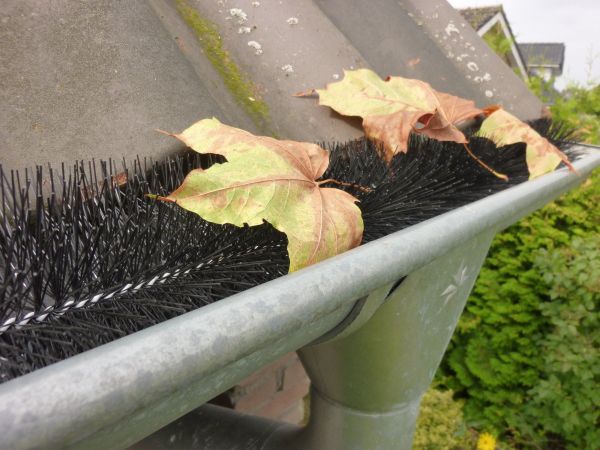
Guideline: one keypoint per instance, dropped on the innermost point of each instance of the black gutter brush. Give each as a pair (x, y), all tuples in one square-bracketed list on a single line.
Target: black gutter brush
[(96, 259)]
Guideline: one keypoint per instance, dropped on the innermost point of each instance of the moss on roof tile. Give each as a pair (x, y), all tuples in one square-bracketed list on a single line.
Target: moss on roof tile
[(478, 17), (237, 82)]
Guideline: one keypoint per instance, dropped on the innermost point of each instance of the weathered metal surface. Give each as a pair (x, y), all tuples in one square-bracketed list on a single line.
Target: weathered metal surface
[(368, 385), (114, 395), (367, 382), (215, 428)]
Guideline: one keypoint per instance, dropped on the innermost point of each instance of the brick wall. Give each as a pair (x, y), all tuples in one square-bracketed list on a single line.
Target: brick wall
[(276, 391)]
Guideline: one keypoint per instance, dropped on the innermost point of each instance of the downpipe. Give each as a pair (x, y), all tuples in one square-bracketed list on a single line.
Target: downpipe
[(367, 386), (367, 378)]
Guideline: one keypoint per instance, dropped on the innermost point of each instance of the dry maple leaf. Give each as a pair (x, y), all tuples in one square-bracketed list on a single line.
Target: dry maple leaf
[(503, 128), (394, 107), (272, 180)]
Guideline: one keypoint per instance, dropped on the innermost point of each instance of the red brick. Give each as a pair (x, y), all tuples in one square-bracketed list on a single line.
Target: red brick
[(283, 401), (295, 374), (275, 391), (284, 361), (294, 415), (253, 397)]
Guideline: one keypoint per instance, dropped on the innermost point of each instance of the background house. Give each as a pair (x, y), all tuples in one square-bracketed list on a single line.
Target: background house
[(544, 60), (492, 25)]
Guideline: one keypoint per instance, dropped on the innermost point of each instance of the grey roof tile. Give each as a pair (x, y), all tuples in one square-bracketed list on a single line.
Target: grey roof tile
[(96, 79), (543, 54), (478, 17)]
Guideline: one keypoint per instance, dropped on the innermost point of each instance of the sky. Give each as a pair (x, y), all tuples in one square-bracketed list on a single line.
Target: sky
[(576, 23)]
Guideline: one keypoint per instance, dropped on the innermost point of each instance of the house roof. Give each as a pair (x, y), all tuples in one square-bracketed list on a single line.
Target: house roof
[(484, 18), (65, 97), (478, 17), (543, 54)]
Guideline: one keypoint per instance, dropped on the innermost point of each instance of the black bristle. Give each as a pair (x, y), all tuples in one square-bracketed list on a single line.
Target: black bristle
[(86, 257), (100, 260), (557, 133), (431, 178)]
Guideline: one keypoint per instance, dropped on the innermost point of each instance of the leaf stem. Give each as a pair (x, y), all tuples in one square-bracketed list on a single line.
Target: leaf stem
[(484, 165), (343, 183), (161, 198)]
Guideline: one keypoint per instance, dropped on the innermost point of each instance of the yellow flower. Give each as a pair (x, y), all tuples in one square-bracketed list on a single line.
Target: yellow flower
[(486, 442)]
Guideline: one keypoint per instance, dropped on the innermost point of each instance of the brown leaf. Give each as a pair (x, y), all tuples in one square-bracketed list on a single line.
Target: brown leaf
[(457, 109), (391, 109), (272, 180), (503, 128)]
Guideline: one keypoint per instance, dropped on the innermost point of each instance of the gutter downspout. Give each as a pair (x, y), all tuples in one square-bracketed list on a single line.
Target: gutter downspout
[(366, 384)]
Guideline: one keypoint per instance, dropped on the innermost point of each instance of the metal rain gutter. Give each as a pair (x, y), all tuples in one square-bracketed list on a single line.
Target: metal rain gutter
[(116, 394)]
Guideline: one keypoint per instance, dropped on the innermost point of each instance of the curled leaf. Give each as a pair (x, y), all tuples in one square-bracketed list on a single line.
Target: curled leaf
[(394, 107), (503, 128), (272, 180)]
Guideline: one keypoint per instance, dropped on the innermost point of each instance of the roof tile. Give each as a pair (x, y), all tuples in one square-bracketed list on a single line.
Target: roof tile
[(478, 17), (547, 54)]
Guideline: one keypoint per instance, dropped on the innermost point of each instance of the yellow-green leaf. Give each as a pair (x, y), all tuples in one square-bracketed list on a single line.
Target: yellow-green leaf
[(503, 128), (394, 107), (265, 179)]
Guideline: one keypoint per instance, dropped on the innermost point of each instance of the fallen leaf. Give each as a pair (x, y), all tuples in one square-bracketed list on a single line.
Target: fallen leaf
[(503, 128), (119, 179), (394, 107), (490, 109), (272, 180)]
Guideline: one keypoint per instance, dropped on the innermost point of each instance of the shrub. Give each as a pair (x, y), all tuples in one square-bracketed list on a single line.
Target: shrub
[(567, 398), (440, 424), (577, 106), (523, 356)]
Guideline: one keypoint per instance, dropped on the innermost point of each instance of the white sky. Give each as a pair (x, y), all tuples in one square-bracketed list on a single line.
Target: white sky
[(576, 23)]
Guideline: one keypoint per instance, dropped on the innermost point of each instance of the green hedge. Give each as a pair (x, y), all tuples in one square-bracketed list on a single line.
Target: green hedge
[(440, 424), (525, 356)]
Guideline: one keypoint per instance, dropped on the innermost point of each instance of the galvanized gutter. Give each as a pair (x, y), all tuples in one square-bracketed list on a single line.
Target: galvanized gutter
[(114, 395)]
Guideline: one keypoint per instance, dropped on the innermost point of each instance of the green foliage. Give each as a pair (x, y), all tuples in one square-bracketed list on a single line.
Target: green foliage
[(577, 106), (498, 41), (542, 88), (237, 82), (440, 424), (571, 352), (523, 354)]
